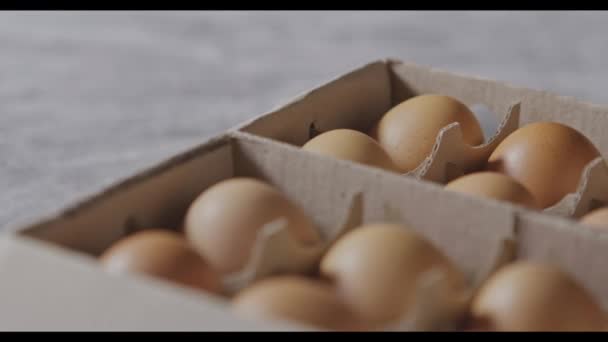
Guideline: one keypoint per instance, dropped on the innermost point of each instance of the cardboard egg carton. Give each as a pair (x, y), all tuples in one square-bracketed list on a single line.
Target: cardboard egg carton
[(53, 281), (358, 100)]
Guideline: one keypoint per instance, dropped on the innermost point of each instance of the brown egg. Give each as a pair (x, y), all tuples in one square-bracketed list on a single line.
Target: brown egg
[(408, 131), (548, 158), (376, 268), (597, 218), (295, 298), (529, 296), (223, 222), (163, 254), (348, 144), (493, 185)]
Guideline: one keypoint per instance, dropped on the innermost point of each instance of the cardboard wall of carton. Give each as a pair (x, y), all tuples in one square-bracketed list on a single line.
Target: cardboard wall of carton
[(439, 215), (322, 187), (303, 177), (355, 100), (466, 229), (45, 288), (358, 99), (331, 104)]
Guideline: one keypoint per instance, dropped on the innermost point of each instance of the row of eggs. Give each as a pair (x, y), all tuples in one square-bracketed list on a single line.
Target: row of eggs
[(365, 281), (535, 166)]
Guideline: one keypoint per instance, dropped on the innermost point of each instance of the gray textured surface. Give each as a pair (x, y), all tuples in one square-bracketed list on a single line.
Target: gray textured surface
[(89, 98)]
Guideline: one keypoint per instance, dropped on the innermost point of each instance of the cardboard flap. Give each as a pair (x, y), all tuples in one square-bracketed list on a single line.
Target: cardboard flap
[(592, 189), (47, 288), (452, 156)]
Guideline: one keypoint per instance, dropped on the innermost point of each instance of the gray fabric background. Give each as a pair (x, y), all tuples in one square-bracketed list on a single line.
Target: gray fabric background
[(89, 98)]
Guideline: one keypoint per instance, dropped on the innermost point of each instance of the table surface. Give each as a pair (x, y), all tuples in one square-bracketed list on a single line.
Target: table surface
[(89, 98)]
